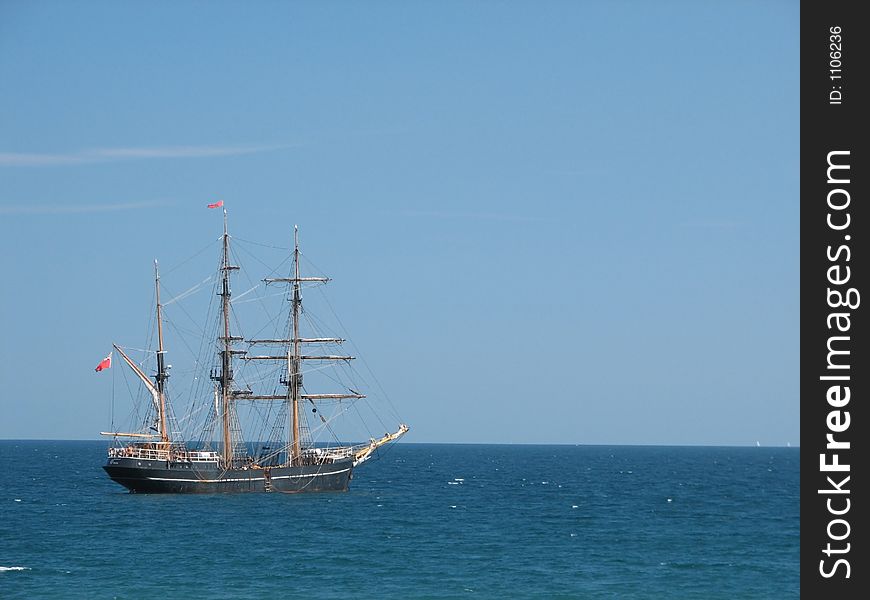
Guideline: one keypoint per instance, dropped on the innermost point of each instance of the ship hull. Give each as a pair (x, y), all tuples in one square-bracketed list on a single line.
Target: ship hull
[(162, 477)]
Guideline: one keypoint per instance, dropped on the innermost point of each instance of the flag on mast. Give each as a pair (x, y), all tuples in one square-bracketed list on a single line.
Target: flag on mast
[(217, 204), (106, 363)]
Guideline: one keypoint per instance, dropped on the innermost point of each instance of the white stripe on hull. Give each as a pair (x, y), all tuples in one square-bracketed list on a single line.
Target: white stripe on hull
[(247, 478)]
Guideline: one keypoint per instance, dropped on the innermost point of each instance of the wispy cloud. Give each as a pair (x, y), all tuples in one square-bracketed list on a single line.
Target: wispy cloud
[(437, 214), (65, 209), (98, 155)]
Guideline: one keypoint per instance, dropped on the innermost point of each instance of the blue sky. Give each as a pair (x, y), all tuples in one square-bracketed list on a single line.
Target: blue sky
[(557, 222)]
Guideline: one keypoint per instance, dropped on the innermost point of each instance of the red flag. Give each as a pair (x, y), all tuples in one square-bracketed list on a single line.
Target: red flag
[(217, 204), (106, 363)]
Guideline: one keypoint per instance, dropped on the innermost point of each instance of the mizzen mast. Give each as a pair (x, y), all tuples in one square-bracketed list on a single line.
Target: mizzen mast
[(157, 388), (162, 375)]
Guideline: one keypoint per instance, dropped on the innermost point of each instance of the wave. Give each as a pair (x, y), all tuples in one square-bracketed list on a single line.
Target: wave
[(14, 569)]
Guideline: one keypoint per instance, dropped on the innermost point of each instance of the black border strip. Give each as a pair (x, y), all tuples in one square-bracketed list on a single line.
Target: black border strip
[(834, 266)]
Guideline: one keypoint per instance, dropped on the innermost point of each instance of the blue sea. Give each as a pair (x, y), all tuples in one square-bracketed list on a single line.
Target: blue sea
[(420, 521)]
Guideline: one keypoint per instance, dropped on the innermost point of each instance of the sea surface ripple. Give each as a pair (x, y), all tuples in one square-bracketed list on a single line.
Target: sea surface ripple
[(421, 521)]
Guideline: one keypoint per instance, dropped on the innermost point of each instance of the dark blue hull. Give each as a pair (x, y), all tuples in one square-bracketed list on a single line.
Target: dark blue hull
[(163, 477)]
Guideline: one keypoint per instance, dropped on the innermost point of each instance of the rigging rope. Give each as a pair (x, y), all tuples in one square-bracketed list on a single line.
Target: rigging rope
[(188, 259), (188, 292), (362, 358)]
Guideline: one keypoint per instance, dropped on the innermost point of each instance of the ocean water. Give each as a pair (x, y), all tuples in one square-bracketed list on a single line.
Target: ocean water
[(421, 521)]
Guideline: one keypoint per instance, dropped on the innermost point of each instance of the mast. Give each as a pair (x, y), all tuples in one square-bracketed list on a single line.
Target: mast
[(225, 377), (294, 355), (293, 363), (161, 376), (294, 358)]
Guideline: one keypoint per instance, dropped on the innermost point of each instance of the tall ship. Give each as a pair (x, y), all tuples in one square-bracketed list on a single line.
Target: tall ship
[(288, 439)]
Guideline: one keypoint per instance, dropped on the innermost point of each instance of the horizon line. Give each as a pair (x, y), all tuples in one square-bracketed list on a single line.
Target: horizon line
[(661, 445)]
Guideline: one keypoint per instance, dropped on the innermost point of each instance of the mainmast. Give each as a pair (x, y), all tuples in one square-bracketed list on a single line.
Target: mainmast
[(225, 377), (161, 376)]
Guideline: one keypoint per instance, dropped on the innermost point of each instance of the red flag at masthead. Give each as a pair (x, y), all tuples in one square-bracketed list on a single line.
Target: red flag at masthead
[(106, 363), (217, 204)]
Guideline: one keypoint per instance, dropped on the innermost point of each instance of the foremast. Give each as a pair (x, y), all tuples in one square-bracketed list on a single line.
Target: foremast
[(294, 358), (294, 354)]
